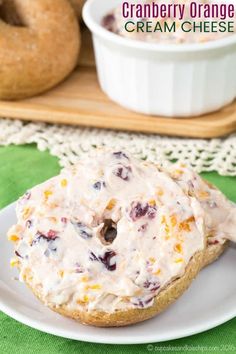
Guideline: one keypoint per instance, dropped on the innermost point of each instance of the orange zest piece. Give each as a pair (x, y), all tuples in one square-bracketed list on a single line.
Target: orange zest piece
[(47, 193), (191, 219), (53, 219), (203, 194), (173, 220), (84, 279), (64, 183), (14, 262), (160, 192), (111, 204), (84, 300), (167, 228), (177, 173), (157, 272), (26, 213), (163, 219), (93, 287), (184, 225), (61, 273), (152, 202), (13, 238), (178, 248)]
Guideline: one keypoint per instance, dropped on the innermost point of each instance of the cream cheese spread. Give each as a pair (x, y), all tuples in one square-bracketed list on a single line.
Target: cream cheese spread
[(173, 23), (111, 232)]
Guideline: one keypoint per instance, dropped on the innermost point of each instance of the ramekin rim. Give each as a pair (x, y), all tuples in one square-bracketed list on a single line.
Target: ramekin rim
[(98, 29)]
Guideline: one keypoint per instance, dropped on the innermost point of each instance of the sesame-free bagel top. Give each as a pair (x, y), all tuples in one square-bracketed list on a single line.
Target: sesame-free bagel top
[(39, 45), (107, 234)]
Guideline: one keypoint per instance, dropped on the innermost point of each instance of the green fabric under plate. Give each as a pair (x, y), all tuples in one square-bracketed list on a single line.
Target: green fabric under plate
[(22, 167)]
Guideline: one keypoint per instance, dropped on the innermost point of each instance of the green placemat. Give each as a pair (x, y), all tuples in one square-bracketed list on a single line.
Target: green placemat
[(21, 167)]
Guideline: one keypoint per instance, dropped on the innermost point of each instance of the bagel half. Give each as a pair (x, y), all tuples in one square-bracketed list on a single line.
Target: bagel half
[(114, 241), (39, 46)]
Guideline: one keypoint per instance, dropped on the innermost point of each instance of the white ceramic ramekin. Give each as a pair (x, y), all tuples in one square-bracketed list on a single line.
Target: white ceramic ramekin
[(169, 80)]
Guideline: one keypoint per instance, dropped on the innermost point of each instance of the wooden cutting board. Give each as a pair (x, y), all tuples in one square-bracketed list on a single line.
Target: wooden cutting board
[(80, 101)]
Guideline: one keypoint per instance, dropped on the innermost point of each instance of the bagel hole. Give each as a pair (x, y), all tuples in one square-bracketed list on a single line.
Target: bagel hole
[(108, 232), (9, 14)]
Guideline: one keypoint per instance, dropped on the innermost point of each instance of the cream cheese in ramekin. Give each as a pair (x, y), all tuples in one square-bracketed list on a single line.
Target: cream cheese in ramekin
[(179, 27), (165, 79)]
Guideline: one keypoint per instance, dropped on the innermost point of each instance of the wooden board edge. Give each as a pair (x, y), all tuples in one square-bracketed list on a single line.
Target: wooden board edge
[(71, 118)]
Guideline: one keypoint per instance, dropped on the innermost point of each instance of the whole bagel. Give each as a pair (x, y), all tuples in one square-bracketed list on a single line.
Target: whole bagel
[(77, 6), (39, 46)]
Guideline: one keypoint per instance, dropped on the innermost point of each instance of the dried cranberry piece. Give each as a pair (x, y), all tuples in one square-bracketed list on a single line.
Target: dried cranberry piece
[(151, 212), (108, 22), (78, 268), (143, 228), (82, 230), (64, 220), (155, 287), (98, 185), (146, 284), (27, 195), (106, 259), (123, 172), (139, 303), (148, 300), (18, 254), (138, 210), (50, 238), (151, 285), (38, 237), (120, 155), (28, 224), (93, 257), (52, 235), (212, 242)]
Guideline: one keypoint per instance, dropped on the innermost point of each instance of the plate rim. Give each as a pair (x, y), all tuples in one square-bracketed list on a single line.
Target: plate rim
[(110, 339)]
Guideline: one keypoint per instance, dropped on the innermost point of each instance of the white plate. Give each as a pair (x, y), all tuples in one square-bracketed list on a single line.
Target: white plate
[(209, 302)]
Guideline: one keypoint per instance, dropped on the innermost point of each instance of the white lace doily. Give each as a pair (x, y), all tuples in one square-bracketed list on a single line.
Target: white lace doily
[(69, 143)]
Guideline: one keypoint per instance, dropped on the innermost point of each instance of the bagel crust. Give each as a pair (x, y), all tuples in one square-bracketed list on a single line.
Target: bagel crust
[(165, 298), (213, 252), (77, 6), (39, 49)]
